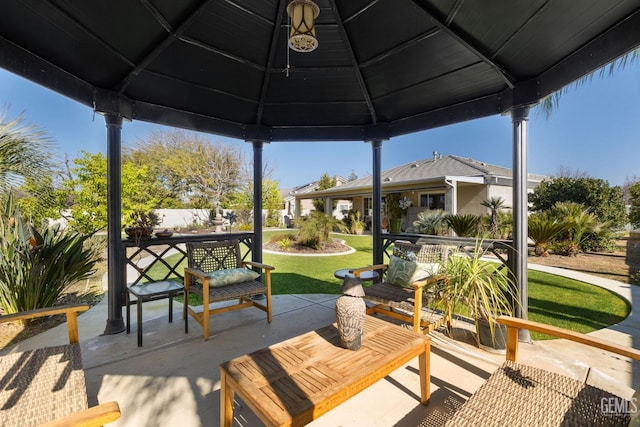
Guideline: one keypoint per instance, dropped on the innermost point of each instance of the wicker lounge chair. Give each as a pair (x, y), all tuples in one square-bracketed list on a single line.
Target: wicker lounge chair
[(405, 303), (211, 257), (47, 385), (517, 394)]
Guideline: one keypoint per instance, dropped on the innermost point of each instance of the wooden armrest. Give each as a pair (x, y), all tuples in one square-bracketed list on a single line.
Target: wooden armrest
[(195, 272), (93, 417), (257, 264), (71, 311), (427, 281), (514, 324), (357, 271)]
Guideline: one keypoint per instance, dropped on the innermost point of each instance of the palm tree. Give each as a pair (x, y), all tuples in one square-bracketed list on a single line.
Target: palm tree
[(580, 223), (542, 231), (25, 154), (464, 225), (551, 102), (494, 204)]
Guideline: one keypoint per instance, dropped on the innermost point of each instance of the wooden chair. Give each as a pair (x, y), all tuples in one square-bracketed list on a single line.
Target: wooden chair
[(406, 303), (47, 385), (518, 394), (208, 257)]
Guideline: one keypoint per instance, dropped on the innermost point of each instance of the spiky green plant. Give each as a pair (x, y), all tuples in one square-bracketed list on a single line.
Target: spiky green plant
[(542, 230), (315, 229), (430, 222), (36, 268), (484, 287), (464, 225)]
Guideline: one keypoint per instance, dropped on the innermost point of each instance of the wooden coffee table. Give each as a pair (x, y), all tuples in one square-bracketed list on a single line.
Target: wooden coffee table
[(296, 381)]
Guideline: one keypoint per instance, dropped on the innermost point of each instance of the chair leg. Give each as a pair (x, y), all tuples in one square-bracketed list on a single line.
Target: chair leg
[(417, 310)]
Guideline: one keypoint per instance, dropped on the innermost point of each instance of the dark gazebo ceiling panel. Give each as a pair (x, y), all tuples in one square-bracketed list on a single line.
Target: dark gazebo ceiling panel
[(382, 67), (154, 89), (476, 81), (315, 86), (230, 29), (385, 26), (186, 62), (430, 58)]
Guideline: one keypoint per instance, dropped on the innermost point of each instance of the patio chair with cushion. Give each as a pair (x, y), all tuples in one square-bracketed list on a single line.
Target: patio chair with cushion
[(404, 289), (217, 273), (517, 394), (46, 386)]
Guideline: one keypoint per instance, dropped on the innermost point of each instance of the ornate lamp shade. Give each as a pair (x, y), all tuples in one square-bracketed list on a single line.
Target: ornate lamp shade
[(303, 31)]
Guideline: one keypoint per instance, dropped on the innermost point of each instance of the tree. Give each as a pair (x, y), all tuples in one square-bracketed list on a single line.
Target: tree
[(25, 155), (188, 170), (88, 185), (325, 182), (272, 201), (494, 204), (634, 198), (603, 201), (352, 176), (550, 103)]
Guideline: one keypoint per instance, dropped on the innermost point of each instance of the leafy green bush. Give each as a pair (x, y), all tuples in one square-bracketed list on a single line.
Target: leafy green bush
[(35, 269)]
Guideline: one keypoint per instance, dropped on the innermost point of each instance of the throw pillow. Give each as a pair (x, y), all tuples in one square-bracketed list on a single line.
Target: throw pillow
[(400, 271), (424, 270), (231, 275)]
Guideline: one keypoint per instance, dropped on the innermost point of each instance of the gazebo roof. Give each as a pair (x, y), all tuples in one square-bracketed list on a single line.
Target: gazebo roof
[(382, 68)]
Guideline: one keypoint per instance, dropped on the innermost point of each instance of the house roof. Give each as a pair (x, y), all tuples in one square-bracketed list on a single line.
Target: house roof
[(382, 67), (431, 172)]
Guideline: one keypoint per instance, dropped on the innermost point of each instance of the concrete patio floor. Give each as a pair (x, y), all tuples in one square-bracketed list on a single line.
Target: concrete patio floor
[(174, 378)]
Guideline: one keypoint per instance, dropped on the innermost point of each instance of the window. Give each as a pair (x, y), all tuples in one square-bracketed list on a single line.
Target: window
[(368, 206), (432, 201)]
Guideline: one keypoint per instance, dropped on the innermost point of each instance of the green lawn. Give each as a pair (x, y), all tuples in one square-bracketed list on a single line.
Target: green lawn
[(554, 300)]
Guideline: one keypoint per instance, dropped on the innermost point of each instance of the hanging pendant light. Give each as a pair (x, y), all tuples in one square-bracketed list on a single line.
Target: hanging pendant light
[(302, 14)]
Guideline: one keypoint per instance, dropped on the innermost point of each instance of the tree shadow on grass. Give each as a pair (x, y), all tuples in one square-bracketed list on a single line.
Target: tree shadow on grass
[(572, 313)]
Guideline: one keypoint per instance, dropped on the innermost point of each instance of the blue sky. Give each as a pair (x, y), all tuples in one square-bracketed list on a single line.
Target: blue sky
[(595, 130)]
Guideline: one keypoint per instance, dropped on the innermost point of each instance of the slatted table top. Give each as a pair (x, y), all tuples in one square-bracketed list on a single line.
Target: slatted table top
[(294, 382)]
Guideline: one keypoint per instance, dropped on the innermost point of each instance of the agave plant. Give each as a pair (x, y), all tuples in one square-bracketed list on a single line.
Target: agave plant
[(36, 268), (464, 225), (430, 222)]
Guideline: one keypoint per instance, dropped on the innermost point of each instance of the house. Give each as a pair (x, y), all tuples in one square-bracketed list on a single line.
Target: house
[(296, 205), (451, 183)]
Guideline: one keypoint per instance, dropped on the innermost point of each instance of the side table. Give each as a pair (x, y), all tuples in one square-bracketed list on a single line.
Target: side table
[(365, 275), (150, 292)]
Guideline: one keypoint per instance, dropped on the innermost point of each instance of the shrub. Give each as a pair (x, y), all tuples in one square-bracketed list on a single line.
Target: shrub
[(35, 269), (464, 225), (315, 229), (430, 222)]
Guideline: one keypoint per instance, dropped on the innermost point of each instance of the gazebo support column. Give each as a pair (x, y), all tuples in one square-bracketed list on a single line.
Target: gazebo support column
[(256, 251), (116, 269), (519, 118), (376, 202)]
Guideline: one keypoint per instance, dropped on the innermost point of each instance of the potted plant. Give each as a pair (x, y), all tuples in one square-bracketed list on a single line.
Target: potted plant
[(485, 288), (357, 225), (396, 207), (139, 224)]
